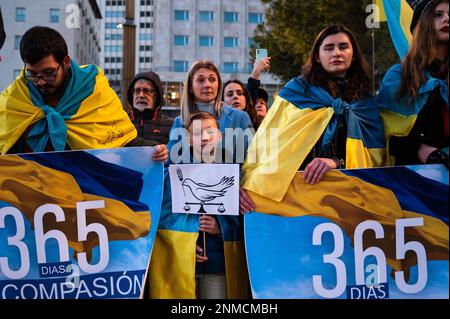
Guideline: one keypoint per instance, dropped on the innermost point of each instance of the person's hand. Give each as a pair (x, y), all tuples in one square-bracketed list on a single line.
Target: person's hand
[(161, 153), (210, 225), (260, 66), (318, 167), (246, 204), (199, 256)]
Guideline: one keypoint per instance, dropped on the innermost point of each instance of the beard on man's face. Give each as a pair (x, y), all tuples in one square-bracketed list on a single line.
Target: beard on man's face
[(47, 89), (52, 88)]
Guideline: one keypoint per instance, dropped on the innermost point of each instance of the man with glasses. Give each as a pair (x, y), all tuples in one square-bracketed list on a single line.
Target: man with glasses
[(145, 95), (56, 105)]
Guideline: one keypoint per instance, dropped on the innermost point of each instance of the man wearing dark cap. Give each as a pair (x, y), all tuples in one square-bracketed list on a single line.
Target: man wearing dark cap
[(145, 95)]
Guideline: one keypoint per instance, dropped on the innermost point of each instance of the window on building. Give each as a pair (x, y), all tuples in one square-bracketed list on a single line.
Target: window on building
[(112, 36), (230, 42), (251, 42), (181, 40), (146, 25), (255, 17), (113, 48), (21, 14), (146, 48), (146, 2), (230, 17), (16, 74), (17, 39), (230, 67), (146, 59), (206, 41), (181, 15), (112, 25), (249, 68), (54, 15), (180, 66), (145, 36), (146, 13), (207, 16)]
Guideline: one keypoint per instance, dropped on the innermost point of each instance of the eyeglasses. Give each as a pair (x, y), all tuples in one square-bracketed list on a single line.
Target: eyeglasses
[(50, 77), (145, 91)]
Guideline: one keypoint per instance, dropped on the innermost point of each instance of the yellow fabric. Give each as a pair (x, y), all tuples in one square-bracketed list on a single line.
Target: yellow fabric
[(280, 145), (362, 157), (348, 201), (273, 159), (406, 14), (172, 266), (27, 185), (100, 121), (236, 269)]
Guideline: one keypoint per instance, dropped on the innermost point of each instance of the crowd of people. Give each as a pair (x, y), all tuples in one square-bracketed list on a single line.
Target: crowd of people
[(57, 105)]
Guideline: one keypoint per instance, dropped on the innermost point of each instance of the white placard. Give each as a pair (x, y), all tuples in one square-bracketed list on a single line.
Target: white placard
[(205, 188)]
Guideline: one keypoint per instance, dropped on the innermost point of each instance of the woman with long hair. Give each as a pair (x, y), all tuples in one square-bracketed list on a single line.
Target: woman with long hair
[(414, 94), (236, 95), (330, 116)]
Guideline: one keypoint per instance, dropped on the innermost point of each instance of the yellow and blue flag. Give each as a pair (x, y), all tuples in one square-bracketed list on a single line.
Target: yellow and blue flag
[(398, 15), (88, 116), (299, 116), (350, 197)]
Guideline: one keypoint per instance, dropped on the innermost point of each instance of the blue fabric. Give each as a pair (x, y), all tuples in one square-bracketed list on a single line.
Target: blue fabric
[(95, 176), (215, 253), (80, 86), (413, 191), (362, 117), (229, 118), (387, 95)]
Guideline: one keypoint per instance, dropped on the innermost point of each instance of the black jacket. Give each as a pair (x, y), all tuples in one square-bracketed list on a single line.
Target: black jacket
[(152, 125)]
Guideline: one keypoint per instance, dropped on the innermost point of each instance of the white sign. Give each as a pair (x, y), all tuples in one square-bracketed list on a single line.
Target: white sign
[(205, 188)]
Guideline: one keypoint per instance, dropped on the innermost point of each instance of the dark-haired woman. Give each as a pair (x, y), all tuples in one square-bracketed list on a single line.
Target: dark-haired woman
[(235, 94), (414, 94)]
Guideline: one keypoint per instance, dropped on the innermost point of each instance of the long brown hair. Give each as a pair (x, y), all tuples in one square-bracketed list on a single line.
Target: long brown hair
[(249, 107), (188, 98), (358, 74), (421, 54)]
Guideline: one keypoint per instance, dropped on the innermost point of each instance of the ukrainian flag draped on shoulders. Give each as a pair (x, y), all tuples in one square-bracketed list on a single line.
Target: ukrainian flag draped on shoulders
[(172, 266), (301, 114), (400, 115), (89, 115)]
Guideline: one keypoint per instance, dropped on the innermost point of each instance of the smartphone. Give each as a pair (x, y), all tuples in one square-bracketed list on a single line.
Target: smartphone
[(261, 54)]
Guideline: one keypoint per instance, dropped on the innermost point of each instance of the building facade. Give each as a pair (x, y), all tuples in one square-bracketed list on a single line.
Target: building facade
[(79, 22), (172, 34)]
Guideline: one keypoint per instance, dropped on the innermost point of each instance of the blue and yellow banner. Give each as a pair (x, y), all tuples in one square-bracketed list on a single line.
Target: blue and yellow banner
[(357, 234), (78, 224)]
